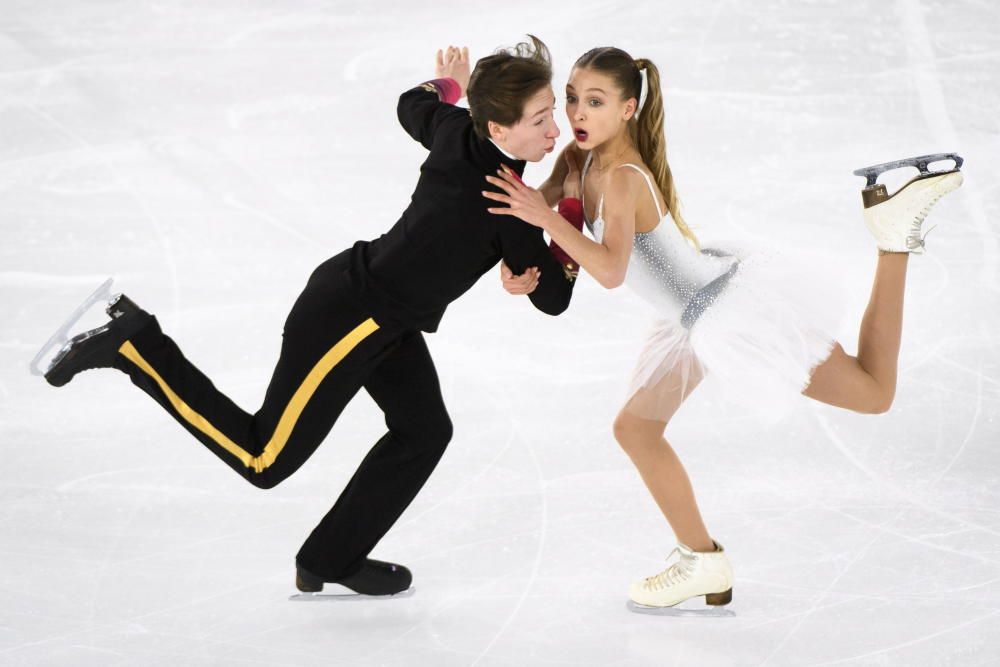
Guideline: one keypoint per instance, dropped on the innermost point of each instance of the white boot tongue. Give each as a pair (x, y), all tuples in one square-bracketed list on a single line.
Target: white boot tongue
[(685, 550)]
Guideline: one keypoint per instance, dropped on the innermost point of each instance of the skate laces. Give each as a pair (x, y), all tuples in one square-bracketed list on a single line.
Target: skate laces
[(674, 574), (914, 240)]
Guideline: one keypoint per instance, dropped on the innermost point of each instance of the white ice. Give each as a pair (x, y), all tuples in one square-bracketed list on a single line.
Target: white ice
[(209, 155)]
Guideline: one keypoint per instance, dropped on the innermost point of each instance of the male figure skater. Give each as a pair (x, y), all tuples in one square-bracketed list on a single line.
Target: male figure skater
[(359, 321)]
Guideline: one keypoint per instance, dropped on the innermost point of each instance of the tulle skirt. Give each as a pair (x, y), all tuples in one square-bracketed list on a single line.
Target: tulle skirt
[(759, 341)]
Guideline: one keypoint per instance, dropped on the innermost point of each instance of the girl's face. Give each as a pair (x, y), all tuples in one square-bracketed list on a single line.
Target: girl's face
[(595, 108)]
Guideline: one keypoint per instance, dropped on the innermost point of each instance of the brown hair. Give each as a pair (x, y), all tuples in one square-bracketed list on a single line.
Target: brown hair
[(646, 127), (502, 83)]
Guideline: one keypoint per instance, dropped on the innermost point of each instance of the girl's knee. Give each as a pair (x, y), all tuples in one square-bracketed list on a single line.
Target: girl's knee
[(636, 435), (623, 428)]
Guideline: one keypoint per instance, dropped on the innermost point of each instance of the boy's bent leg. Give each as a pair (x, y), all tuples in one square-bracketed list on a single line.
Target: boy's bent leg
[(329, 347), (405, 385)]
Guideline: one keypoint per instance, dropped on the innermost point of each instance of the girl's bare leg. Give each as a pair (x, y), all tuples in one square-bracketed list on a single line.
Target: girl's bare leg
[(867, 383), (658, 465)]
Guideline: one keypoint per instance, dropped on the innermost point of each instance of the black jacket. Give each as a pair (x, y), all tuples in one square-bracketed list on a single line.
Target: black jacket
[(446, 240)]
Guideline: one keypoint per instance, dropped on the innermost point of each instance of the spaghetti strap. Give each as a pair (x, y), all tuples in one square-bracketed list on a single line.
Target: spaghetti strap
[(649, 182), (600, 202), (583, 190)]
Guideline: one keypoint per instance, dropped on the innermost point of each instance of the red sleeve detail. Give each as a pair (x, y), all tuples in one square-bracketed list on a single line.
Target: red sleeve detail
[(572, 210), (448, 89)]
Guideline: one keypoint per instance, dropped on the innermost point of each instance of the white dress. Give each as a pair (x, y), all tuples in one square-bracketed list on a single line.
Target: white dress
[(747, 321)]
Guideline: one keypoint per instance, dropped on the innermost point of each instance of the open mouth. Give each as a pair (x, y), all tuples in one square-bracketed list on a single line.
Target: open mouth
[(581, 135)]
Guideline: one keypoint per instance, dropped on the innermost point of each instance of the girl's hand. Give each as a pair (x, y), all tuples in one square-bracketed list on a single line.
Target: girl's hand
[(453, 63), (522, 284), (572, 185), (523, 202)]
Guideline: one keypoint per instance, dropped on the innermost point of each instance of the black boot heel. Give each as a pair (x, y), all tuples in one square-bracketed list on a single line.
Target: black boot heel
[(307, 582)]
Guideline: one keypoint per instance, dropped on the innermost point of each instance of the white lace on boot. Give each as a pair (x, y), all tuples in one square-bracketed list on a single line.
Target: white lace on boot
[(694, 573), (896, 221)]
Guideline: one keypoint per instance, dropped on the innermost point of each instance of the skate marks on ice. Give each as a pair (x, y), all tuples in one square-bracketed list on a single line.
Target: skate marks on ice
[(922, 64), (32, 280), (337, 593), (60, 338), (688, 609), (109, 162)]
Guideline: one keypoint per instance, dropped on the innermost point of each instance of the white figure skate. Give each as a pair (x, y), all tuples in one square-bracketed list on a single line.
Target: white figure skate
[(895, 220), (694, 574)]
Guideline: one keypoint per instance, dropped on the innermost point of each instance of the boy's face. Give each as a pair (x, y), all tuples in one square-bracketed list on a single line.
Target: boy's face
[(532, 137)]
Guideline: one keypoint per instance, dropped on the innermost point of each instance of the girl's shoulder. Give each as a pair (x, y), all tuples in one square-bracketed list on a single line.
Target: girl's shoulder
[(624, 185), (634, 162)]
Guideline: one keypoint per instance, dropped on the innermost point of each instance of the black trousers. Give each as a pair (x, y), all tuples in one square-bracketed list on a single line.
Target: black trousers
[(331, 349)]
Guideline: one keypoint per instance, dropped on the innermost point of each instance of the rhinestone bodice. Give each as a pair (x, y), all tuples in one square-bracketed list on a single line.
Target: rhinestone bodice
[(664, 269)]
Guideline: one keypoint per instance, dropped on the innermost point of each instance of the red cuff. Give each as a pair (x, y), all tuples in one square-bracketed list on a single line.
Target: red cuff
[(448, 89), (572, 210)]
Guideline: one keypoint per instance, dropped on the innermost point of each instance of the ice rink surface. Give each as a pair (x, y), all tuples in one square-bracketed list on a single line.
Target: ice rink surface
[(208, 155)]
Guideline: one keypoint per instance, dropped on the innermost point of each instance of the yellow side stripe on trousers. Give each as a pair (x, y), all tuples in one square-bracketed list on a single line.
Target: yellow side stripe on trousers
[(288, 418)]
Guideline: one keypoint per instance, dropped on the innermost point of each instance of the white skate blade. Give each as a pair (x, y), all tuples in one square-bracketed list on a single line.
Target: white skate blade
[(688, 608), (338, 593), (921, 162), (61, 336)]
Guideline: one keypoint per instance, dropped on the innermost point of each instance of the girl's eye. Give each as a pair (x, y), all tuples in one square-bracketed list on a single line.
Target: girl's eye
[(570, 99), (594, 103)]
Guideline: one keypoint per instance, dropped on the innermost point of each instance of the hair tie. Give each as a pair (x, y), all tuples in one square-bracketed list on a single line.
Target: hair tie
[(643, 91)]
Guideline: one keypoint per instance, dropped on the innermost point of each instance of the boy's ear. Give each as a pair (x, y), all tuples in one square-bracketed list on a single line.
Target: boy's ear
[(497, 131)]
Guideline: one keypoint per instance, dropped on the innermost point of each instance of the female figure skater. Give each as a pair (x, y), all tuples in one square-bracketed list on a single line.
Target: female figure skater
[(359, 320), (736, 318)]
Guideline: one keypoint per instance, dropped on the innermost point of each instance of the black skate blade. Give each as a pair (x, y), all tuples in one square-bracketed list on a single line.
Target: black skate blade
[(921, 162), (688, 609), (60, 338), (337, 593)]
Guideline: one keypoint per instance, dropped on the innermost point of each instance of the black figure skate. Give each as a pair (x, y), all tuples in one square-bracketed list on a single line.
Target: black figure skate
[(375, 579), (96, 348)]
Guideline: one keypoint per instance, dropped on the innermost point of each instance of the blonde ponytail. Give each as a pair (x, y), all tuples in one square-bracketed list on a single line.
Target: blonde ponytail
[(646, 129)]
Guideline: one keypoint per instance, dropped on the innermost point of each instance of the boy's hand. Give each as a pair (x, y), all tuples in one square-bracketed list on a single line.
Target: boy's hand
[(453, 63)]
